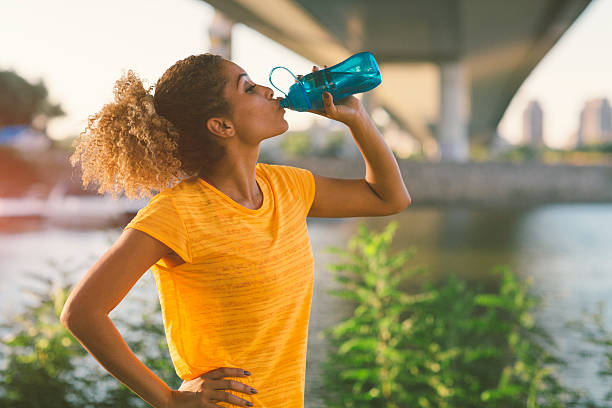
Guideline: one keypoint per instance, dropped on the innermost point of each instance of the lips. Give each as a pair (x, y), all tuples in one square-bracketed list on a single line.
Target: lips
[(278, 103)]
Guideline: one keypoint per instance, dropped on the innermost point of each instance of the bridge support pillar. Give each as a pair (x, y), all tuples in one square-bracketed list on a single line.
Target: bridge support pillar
[(220, 35), (454, 113)]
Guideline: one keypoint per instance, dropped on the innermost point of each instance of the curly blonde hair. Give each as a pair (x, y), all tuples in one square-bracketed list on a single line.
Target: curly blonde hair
[(142, 143)]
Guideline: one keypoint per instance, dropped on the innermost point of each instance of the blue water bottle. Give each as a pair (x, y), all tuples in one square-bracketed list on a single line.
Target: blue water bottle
[(358, 73)]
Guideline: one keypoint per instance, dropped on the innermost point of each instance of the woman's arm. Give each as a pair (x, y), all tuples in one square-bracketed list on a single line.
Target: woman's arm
[(85, 313), (382, 191)]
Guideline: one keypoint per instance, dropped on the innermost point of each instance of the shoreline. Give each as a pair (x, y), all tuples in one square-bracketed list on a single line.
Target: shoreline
[(475, 184)]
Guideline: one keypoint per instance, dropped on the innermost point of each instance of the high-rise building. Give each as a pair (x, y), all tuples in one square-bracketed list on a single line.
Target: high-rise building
[(532, 125), (595, 122)]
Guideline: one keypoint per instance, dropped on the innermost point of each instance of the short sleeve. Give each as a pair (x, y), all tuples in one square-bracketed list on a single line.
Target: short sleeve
[(161, 220), (303, 180)]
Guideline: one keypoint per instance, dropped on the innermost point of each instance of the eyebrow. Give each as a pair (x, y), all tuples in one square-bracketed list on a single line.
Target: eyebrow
[(240, 76)]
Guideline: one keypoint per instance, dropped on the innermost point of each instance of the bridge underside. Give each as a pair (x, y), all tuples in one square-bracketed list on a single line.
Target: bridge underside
[(450, 67)]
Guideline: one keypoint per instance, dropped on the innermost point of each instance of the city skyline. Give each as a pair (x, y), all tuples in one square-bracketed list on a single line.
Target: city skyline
[(532, 124), (594, 124), (574, 71)]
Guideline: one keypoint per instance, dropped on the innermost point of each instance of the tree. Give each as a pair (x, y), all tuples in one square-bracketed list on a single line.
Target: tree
[(21, 101)]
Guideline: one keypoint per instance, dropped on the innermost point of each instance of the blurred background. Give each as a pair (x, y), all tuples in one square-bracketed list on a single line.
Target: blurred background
[(498, 114)]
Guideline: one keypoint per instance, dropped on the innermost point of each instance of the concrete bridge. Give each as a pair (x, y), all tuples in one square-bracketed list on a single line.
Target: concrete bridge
[(450, 67)]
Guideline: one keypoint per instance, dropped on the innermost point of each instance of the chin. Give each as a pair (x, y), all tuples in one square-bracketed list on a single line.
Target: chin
[(278, 132), (284, 128)]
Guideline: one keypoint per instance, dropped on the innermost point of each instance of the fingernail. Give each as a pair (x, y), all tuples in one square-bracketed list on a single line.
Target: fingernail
[(247, 372), (253, 390), (249, 404)]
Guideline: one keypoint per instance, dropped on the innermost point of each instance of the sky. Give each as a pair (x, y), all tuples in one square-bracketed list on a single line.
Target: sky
[(80, 48), (577, 68)]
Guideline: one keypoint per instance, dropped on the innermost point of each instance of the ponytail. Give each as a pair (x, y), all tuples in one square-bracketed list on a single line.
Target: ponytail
[(142, 143)]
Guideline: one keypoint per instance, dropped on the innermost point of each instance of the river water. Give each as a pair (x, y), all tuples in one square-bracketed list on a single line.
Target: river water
[(566, 248)]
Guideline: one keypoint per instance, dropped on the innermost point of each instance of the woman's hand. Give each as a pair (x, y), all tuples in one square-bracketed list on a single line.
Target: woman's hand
[(207, 389), (345, 110)]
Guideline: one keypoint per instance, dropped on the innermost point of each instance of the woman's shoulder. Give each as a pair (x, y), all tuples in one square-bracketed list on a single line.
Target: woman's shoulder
[(183, 186), (168, 196)]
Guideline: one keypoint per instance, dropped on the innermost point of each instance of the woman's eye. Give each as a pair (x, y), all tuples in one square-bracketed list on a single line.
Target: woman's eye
[(250, 88)]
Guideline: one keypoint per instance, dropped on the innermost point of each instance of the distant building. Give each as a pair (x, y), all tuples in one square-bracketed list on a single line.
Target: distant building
[(532, 125), (595, 122)]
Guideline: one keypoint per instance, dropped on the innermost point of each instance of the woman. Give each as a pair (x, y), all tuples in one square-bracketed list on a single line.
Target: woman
[(225, 237)]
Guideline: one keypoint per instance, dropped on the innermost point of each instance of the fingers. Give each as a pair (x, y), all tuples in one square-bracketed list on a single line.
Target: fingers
[(328, 103), (221, 372), (211, 390), (236, 386), (231, 398), (314, 68)]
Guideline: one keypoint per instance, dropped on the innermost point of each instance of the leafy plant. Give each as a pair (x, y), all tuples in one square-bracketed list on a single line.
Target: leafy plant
[(41, 355), (334, 145), (21, 101), (297, 144), (446, 346), (523, 153)]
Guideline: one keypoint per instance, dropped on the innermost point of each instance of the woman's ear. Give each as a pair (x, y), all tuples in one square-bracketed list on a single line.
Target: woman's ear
[(220, 127)]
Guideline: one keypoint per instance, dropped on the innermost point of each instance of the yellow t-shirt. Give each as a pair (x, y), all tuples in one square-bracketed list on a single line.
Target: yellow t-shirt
[(242, 298)]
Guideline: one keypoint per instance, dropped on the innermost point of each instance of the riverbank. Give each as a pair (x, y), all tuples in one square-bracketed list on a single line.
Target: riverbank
[(484, 184)]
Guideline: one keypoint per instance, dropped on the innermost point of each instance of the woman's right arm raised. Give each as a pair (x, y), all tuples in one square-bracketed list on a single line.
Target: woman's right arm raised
[(85, 313)]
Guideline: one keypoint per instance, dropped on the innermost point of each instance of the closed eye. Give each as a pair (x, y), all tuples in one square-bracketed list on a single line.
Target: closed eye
[(250, 88)]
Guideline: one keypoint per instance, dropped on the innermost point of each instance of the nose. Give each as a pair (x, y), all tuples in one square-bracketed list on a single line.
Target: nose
[(269, 92)]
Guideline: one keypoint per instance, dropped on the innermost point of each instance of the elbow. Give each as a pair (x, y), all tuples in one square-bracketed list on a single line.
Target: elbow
[(408, 201), (398, 208), (77, 323), (67, 317), (72, 318), (68, 312), (405, 204), (78, 313)]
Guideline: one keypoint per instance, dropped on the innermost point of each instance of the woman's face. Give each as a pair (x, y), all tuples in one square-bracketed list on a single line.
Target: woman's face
[(256, 115)]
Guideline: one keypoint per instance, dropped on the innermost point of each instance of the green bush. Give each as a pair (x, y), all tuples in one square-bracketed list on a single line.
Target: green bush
[(41, 356), (45, 366), (334, 144), (297, 144), (604, 147), (446, 346), (523, 153)]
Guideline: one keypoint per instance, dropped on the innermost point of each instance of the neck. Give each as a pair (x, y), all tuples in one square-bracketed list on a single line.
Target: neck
[(236, 180)]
